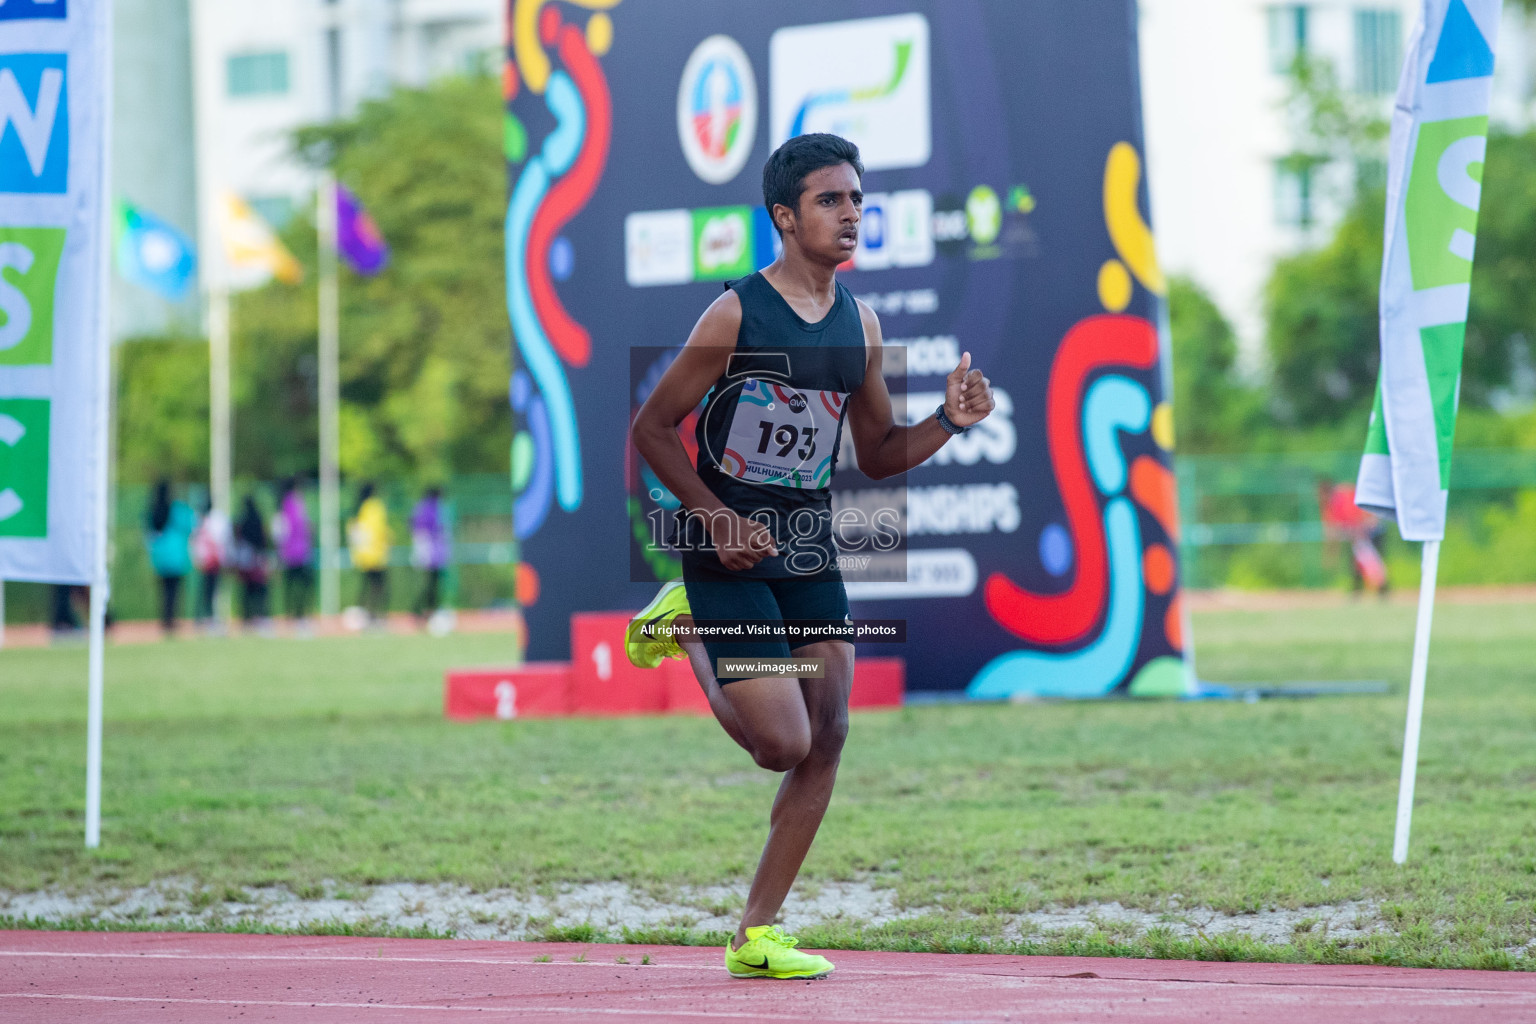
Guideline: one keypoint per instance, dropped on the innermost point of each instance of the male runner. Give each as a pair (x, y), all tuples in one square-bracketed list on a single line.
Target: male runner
[(785, 355)]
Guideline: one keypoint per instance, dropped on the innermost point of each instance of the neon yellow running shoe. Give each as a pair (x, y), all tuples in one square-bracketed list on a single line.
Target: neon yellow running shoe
[(769, 953), (649, 651)]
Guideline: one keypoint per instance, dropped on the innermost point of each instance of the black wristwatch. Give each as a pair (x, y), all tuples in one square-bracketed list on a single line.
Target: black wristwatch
[(948, 424)]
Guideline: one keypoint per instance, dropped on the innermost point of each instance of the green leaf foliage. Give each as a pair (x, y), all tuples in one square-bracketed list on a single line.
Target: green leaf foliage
[(1323, 334), (1501, 327), (162, 409), (425, 344), (1212, 407)]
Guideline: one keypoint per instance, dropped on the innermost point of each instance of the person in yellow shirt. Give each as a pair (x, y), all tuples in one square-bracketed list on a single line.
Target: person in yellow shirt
[(368, 539)]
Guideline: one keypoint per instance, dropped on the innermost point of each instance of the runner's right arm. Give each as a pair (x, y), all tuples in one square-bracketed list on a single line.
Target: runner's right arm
[(703, 360)]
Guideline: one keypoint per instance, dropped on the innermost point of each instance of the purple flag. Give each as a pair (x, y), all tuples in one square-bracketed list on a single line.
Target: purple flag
[(358, 239)]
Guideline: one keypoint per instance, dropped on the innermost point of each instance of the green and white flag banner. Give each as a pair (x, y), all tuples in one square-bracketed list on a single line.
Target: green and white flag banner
[(54, 102), (1434, 186)]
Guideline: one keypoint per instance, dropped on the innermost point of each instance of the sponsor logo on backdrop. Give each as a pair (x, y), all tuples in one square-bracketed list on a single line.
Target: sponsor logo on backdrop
[(18, 10), (873, 253), (658, 248), (34, 123), (664, 247), (986, 226), (717, 109), (722, 243), (23, 467), (983, 215), (896, 230), (866, 80), (29, 273)]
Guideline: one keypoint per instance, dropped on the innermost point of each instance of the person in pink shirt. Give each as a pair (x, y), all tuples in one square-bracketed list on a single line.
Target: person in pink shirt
[(295, 538), (431, 546)]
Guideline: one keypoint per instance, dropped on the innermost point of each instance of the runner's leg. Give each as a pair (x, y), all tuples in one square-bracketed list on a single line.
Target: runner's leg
[(796, 727)]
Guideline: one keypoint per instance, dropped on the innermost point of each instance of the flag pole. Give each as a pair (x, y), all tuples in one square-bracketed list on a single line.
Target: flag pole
[(1431, 569), (100, 582), (218, 396), (330, 399)]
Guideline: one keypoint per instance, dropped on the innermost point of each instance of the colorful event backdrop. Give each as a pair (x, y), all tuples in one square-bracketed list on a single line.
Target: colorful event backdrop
[(1005, 216)]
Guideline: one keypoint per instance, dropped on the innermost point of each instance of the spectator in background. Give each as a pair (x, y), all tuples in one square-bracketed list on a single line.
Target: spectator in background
[(64, 622), (368, 539), (69, 602), (169, 534), (210, 551), (294, 536), (253, 548), (1361, 531), (430, 548)]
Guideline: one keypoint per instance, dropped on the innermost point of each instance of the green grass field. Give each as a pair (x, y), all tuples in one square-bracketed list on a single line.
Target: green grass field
[(264, 761)]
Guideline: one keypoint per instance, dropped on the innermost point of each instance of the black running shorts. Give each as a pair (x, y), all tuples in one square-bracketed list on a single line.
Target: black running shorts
[(721, 596)]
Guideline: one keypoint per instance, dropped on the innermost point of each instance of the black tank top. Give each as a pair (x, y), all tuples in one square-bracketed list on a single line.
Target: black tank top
[(771, 427)]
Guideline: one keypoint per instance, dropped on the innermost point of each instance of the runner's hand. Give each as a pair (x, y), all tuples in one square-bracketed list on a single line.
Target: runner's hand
[(746, 543), (967, 394)]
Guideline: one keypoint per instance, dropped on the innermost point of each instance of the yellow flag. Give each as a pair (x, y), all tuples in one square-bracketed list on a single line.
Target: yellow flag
[(249, 243)]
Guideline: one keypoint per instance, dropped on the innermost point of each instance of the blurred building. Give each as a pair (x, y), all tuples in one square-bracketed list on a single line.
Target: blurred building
[(1215, 75), (239, 77), (262, 69)]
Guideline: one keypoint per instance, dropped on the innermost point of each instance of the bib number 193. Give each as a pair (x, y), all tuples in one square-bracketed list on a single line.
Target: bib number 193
[(784, 437), (777, 435)]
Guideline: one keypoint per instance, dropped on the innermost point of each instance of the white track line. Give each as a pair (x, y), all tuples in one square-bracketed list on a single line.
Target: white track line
[(755, 1015), (363, 959), (843, 972)]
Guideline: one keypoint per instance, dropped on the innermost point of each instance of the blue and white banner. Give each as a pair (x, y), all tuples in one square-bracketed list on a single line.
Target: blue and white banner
[(1434, 188), (55, 80)]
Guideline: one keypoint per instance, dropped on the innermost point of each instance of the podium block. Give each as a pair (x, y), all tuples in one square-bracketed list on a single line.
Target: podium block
[(603, 682), (684, 695), (536, 690), (878, 683)]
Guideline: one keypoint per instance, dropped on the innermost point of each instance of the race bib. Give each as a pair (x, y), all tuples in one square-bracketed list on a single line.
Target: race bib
[(783, 436)]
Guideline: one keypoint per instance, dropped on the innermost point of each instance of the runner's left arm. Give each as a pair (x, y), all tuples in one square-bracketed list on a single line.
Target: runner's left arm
[(885, 449)]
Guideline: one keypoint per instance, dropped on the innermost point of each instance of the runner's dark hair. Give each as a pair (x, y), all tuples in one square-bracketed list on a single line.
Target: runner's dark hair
[(784, 173)]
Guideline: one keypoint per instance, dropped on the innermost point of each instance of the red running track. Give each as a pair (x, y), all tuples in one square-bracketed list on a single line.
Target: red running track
[(126, 978)]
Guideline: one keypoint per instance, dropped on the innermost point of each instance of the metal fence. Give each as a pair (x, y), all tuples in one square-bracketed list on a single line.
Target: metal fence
[(1229, 502), (479, 508), (1232, 508)]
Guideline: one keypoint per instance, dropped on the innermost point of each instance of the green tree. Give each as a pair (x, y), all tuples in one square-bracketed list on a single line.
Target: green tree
[(1323, 306), (1322, 330), (1212, 407), (1501, 324), (162, 410), (425, 344), (1331, 124)]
